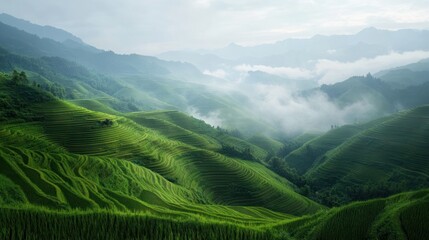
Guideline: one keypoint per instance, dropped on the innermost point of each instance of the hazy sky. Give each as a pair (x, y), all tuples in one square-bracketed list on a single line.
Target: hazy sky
[(154, 26)]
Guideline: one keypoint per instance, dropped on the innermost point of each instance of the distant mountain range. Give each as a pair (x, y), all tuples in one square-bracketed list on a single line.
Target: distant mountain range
[(50, 32), (368, 43), (148, 83)]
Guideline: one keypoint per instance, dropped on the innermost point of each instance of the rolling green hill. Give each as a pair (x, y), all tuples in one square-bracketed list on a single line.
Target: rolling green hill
[(358, 89), (395, 90), (73, 160), (405, 76), (194, 131), (365, 161), (402, 216), (312, 152), (264, 142)]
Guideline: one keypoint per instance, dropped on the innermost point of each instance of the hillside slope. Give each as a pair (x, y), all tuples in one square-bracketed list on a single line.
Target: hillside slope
[(389, 157), (75, 159), (311, 152), (403, 216), (398, 217)]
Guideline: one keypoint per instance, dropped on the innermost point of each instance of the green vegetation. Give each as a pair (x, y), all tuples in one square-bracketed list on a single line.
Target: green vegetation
[(16, 106), (178, 126), (312, 152), (414, 74), (79, 71), (32, 223), (76, 158), (359, 162), (402, 216), (270, 145), (165, 169), (79, 159)]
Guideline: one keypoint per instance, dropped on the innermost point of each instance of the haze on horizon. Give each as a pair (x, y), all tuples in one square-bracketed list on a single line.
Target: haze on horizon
[(151, 27)]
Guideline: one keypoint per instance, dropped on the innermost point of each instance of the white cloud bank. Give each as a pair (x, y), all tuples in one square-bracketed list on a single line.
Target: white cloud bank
[(295, 114), (334, 71), (219, 73), (213, 118), (329, 71), (282, 109)]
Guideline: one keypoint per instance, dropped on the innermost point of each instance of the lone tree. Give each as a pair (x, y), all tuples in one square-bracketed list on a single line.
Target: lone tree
[(106, 122)]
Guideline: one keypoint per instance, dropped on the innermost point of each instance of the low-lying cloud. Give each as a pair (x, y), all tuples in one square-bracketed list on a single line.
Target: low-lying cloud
[(293, 73), (330, 72), (294, 114), (219, 73), (282, 108), (213, 118)]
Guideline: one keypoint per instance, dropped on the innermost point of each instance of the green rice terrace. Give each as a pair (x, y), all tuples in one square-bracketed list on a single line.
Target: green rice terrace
[(67, 165)]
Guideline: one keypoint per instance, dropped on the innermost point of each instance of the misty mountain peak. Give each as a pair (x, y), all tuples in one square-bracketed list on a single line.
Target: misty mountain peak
[(233, 45), (369, 30), (50, 32)]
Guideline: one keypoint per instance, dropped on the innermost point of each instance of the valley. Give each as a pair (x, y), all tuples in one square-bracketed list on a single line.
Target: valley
[(100, 145)]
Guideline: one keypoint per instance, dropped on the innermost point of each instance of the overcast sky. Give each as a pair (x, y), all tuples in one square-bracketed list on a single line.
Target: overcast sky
[(154, 26)]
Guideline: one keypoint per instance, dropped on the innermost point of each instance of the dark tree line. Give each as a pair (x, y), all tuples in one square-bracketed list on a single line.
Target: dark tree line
[(231, 151)]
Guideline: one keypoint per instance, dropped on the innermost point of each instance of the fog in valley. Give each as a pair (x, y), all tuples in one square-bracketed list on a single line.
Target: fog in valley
[(245, 65)]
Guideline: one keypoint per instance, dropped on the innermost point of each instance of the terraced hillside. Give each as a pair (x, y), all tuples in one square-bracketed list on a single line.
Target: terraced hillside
[(190, 136), (65, 181), (398, 217), (75, 159), (181, 127), (311, 153), (270, 145), (34, 223), (389, 157), (403, 216), (105, 105)]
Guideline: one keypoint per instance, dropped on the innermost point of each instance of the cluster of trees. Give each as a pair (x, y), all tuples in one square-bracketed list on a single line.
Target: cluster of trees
[(334, 126), (19, 77), (17, 96), (280, 167), (234, 132), (54, 88), (342, 193), (106, 122)]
